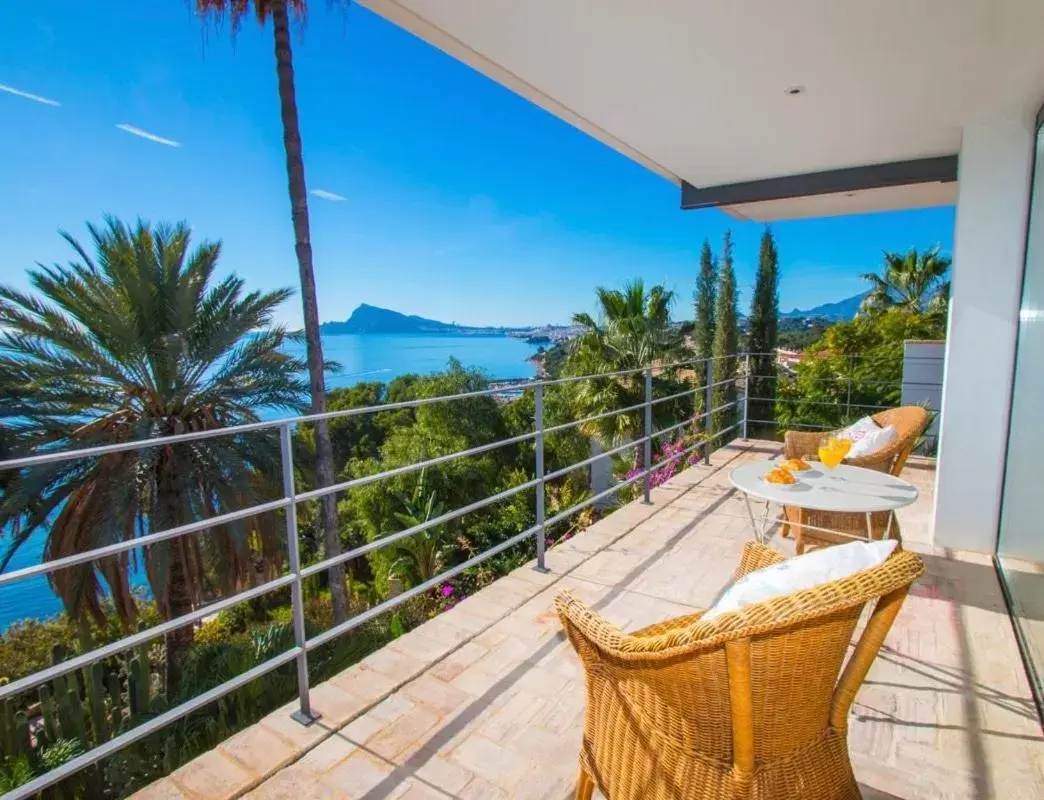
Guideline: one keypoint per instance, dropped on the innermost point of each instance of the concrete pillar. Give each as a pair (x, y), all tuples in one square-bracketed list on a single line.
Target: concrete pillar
[(989, 242)]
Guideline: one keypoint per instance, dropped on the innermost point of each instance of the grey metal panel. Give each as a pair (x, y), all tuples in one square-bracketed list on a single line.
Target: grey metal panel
[(941, 169)]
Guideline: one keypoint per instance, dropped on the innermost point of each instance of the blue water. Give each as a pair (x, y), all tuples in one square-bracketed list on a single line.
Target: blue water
[(376, 357), (382, 357)]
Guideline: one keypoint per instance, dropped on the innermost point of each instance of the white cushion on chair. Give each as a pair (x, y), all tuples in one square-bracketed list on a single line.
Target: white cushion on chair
[(802, 572), (867, 437)]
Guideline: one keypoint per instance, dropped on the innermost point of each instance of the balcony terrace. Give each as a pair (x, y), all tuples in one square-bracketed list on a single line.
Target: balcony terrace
[(487, 700)]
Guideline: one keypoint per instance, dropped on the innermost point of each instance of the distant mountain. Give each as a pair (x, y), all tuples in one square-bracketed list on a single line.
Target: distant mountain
[(842, 310), (371, 319)]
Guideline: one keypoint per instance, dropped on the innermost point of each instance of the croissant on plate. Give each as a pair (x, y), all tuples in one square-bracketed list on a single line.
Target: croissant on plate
[(780, 476)]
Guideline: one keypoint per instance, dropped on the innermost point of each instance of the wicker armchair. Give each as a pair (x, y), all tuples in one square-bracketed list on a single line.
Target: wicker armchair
[(807, 526), (749, 705)]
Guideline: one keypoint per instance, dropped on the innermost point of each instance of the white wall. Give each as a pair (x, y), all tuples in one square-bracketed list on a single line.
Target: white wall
[(989, 240)]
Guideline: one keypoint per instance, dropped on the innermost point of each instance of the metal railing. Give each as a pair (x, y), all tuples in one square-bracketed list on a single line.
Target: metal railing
[(288, 504), (292, 497)]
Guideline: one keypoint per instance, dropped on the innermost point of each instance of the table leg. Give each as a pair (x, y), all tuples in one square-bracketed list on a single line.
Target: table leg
[(869, 527), (753, 520), (888, 527)]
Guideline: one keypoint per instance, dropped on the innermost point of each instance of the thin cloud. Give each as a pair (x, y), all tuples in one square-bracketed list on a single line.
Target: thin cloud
[(28, 96), (123, 126), (325, 195)]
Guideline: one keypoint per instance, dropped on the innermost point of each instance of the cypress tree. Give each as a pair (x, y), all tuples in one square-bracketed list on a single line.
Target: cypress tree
[(764, 332), (726, 342), (703, 306)]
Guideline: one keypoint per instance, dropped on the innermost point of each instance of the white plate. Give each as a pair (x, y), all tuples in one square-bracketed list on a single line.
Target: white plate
[(784, 486)]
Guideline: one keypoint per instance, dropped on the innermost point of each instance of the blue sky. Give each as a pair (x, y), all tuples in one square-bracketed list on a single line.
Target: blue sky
[(461, 201)]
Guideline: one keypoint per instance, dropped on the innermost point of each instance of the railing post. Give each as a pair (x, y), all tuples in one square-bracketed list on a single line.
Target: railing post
[(304, 713), (538, 444), (848, 401), (708, 401), (647, 481), (746, 392)]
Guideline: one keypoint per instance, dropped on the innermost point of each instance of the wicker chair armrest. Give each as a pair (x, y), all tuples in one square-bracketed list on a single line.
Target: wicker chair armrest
[(881, 461), (757, 556), (802, 444), (666, 626), (579, 617)]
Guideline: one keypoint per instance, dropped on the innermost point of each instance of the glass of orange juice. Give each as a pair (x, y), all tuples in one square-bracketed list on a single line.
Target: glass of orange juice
[(831, 452), (844, 445)]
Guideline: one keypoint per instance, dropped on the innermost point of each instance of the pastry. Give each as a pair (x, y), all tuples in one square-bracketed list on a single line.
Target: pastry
[(780, 476), (795, 465)]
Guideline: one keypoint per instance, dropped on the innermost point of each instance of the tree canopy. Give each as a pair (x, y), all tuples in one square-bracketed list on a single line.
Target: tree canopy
[(913, 281), (141, 340), (726, 342)]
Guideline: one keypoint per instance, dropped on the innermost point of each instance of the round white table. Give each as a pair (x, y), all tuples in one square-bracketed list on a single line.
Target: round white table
[(849, 489)]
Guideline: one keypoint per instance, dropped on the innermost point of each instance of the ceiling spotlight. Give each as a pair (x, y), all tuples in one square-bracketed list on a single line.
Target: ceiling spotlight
[(792, 90)]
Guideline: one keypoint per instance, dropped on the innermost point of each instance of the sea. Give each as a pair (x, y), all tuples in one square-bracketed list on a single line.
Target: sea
[(359, 358)]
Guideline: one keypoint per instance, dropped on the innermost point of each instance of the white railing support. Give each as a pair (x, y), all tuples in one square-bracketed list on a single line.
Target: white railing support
[(538, 444), (708, 403), (746, 391), (304, 713), (647, 483)]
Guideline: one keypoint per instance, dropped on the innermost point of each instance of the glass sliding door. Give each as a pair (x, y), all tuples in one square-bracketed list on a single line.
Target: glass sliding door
[(1020, 543)]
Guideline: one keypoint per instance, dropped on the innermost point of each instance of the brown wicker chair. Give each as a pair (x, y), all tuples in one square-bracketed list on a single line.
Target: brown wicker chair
[(748, 705), (807, 526)]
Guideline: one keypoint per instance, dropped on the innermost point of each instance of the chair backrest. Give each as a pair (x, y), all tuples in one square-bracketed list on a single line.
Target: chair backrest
[(749, 686), (909, 423)]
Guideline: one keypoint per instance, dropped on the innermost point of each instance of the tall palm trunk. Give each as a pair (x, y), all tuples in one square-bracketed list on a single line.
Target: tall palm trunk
[(179, 599), (303, 246)]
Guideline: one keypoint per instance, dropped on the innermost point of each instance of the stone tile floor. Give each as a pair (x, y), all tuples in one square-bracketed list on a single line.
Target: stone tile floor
[(486, 701)]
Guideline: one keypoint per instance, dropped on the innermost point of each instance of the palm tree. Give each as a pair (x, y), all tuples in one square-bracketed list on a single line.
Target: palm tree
[(913, 281), (633, 332), (138, 342), (279, 12), (422, 556)]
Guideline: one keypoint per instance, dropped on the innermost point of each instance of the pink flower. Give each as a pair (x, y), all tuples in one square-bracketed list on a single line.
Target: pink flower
[(446, 590)]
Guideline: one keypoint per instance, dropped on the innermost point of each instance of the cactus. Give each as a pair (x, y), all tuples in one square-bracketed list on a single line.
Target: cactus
[(21, 731), (73, 725), (49, 716), (95, 686), (138, 685), (116, 703), (7, 734)]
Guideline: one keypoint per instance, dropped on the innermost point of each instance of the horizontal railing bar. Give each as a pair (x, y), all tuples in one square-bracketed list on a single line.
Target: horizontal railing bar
[(849, 356), (623, 484), (408, 468), (442, 519), (558, 473), (675, 396), (98, 654), (804, 424), (592, 418), (140, 541), (561, 515), (420, 588), (676, 426), (716, 384), (714, 436), (844, 380), (27, 790), (819, 402)]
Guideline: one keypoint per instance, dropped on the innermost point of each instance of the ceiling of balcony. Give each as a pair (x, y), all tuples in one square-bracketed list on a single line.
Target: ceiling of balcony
[(696, 90)]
